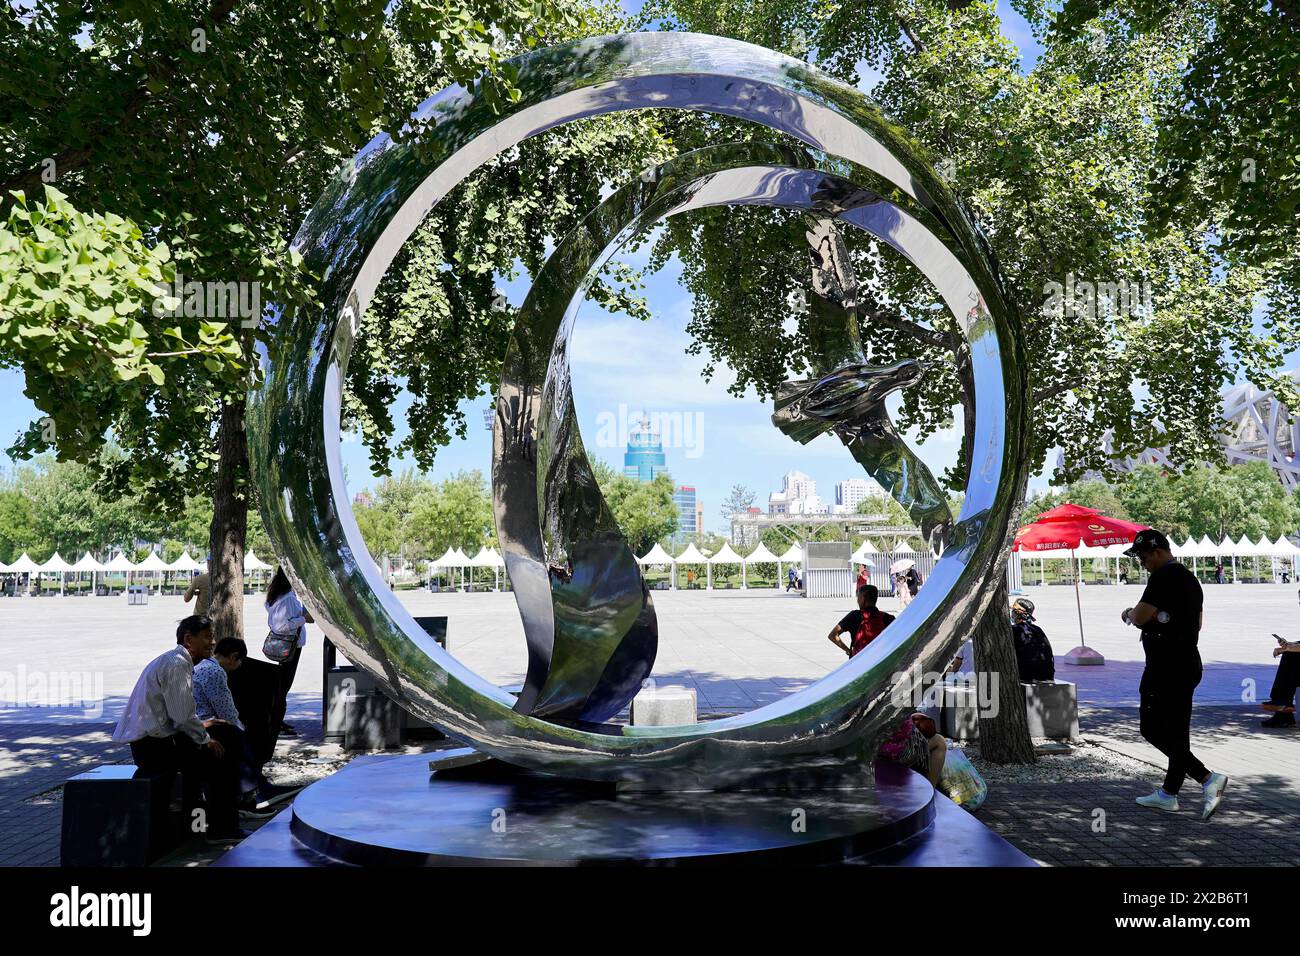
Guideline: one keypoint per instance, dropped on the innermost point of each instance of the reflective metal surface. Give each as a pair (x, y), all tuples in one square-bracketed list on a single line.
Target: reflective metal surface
[(357, 227), (377, 812), (849, 394)]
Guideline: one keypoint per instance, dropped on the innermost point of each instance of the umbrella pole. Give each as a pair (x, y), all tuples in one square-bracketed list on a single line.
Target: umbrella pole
[(1083, 654), (1078, 599)]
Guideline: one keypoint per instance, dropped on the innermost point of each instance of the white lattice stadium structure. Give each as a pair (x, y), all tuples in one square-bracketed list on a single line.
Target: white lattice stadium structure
[(1256, 427)]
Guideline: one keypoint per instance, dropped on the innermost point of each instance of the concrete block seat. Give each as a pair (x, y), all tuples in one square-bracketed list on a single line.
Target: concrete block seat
[(117, 815), (1051, 707)]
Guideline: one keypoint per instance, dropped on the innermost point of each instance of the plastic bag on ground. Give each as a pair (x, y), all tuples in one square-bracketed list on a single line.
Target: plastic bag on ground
[(960, 782)]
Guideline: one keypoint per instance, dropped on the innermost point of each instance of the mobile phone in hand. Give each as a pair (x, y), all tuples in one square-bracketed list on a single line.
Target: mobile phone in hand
[(1280, 640)]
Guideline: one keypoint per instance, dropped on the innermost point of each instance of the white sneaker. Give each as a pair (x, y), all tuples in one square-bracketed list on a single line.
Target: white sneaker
[(1159, 801), (1214, 788)]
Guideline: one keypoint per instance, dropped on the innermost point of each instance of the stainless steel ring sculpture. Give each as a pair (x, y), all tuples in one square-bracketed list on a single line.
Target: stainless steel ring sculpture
[(372, 206)]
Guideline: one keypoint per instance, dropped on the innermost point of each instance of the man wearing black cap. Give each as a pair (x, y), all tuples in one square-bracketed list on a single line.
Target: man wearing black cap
[(1169, 616)]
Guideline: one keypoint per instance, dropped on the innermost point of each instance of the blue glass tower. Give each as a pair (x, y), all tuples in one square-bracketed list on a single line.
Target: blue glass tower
[(684, 499), (644, 458)]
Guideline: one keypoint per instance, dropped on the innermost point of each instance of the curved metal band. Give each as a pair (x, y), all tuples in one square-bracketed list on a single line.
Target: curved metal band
[(355, 230)]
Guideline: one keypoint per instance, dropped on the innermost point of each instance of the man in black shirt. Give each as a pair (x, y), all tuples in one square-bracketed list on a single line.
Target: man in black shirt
[(863, 625), (1169, 615)]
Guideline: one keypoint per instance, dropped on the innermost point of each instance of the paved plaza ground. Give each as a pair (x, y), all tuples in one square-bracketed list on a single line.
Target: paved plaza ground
[(67, 665)]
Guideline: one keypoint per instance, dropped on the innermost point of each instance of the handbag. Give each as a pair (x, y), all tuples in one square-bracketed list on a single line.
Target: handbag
[(279, 648)]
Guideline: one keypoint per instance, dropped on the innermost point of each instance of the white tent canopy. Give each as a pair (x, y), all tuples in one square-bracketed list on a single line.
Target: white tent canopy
[(692, 555), (87, 563), (760, 555), (251, 563), (902, 547), (656, 555), (184, 563), (449, 559), (1089, 551), (1246, 548), (1208, 548), (460, 559), (120, 562), (24, 564), (54, 565), (154, 563), (726, 555), (1283, 548), (792, 554), (487, 558), (860, 556)]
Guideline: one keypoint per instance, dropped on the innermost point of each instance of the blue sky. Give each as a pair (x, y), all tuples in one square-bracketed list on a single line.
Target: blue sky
[(622, 365)]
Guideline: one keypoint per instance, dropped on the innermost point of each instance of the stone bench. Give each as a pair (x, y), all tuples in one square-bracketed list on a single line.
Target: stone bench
[(357, 714), (117, 815), (669, 706), (1051, 708)]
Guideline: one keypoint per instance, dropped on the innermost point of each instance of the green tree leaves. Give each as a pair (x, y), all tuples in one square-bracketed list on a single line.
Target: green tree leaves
[(77, 297), (455, 514), (644, 510)]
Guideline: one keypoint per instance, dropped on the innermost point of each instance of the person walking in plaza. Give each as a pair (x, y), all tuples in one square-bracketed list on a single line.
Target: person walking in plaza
[(166, 734), (287, 621), (862, 625), (1281, 699), (907, 581), (1170, 617), (200, 592)]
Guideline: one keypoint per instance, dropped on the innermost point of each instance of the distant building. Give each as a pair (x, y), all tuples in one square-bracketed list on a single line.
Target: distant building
[(690, 512), (363, 499), (798, 496), (851, 492), (644, 458)]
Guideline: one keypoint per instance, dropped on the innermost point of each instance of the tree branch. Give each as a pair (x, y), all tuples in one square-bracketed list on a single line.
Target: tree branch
[(906, 24), (893, 320), (1044, 394)]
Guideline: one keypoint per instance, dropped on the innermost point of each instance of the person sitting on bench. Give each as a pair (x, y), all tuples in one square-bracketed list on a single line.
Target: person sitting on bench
[(917, 744), (1281, 700), (1033, 650), (166, 734), (216, 708)]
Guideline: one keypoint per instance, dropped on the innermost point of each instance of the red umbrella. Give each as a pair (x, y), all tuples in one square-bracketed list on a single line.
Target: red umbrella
[(1069, 527)]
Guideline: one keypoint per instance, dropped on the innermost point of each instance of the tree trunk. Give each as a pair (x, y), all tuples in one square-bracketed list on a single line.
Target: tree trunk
[(229, 523), (1004, 732)]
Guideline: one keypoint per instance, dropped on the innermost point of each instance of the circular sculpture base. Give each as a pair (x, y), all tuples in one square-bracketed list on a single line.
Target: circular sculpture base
[(390, 811)]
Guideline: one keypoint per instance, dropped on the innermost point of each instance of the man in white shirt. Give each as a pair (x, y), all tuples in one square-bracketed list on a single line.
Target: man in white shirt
[(166, 734)]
